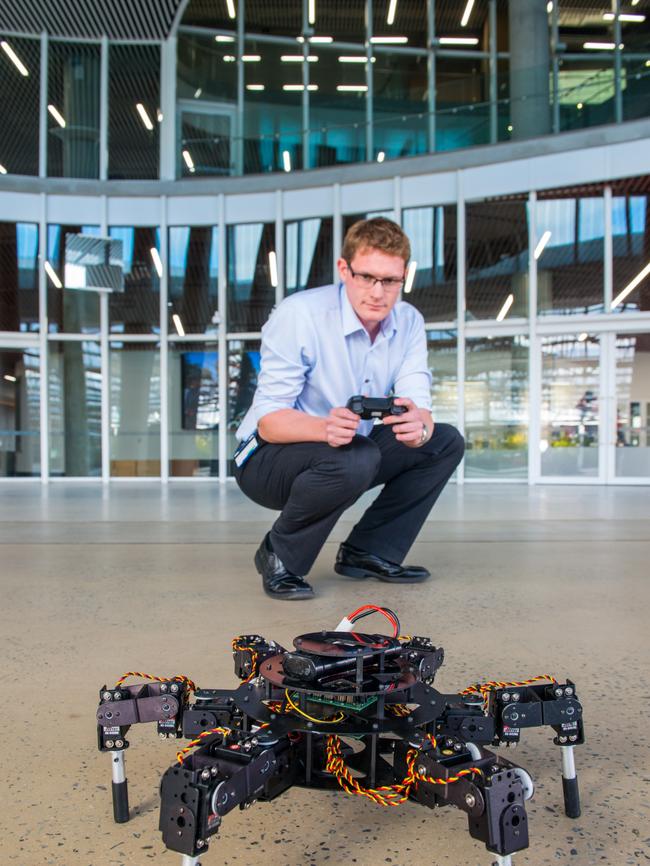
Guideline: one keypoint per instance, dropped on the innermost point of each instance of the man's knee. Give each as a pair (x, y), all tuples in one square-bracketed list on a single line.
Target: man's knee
[(447, 442), (356, 464)]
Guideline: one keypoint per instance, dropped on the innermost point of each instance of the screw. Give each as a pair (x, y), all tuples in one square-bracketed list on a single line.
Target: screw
[(562, 739), (205, 775), (108, 714), (422, 770), (119, 744), (165, 708), (457, 747), (214, 771), (163, 687), (162, 736), (470, 799), (109, 744), (568, 691), (505, 697), (200, 843), (174, 688), (516, 696), (117, 696), (107, 696), (171, 737), (573, 738), (559, 692)]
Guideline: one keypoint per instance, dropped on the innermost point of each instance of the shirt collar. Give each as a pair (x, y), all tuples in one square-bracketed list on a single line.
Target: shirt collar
[(351, 322)]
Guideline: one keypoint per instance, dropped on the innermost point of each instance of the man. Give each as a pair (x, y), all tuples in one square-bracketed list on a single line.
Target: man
[(304, 453)]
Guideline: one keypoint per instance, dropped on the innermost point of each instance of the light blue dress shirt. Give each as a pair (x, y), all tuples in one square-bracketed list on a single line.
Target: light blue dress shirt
[(316, 354)]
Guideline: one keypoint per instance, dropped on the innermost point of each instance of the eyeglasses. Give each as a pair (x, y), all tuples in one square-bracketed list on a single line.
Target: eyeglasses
[(367, 281)]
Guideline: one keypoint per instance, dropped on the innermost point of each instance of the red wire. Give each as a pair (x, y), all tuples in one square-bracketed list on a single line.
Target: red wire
[(377, 609)]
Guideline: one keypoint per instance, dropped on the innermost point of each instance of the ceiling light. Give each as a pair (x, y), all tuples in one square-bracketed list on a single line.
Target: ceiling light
[(392, 8), (56, 114), (273, 259), (580, 106), (509, 127), (410, 276), (286, 160), (316, 40), (635, 2), (251, 58), (539, 249), (142, 111), (230, 5), (582, 337), (647, 63), (503, 312), (10, 378), (624, 16), (458, 40), (52, 274), (351, 88), (467, 13), (549, 6), (254, 87), (159, 116), (15, 59), (298, 58), (355, 58), (229, 58), (381, 156), (298, 87), (180, 330), (189, 162), (3, 170), (198, 92), (311, 11), (600, 46), (631, 286), (389, 40), (222, 38), (157, 262)]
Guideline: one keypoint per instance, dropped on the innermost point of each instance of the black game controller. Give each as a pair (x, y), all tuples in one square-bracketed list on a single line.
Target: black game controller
[(374, 407)]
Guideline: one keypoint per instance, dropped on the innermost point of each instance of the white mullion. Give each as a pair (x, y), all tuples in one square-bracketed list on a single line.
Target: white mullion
[(397, 199), (103, 110), (42, 109), (222, 364), (534, 351), (460, 310), (164, 344), (279, 243), (337, 230), (105, 364), (42, 342), (608, 251)]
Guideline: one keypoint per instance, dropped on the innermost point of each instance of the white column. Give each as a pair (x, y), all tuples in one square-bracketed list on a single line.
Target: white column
[(105, 368), (103, 111), (222, 372), (42, 110), (164, 345), (460, 309), (42, 340), (534, 352), (168, 108)]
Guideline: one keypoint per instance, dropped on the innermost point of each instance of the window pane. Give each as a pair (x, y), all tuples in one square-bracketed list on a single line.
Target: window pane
[(409, 19), (243, 369), (432, 233), (344, 21), (497, 259), (193, 279), (73, 116), (193, 409), (133, 133), (20, 439), (570, 275), (633, 405), (75, 407), (635, 85), (569, 413), (278, 19), (337, 119), (586, 92), (135, 409), (400, 107), (308, 254), (444, 380), (496, 408), (251, 295), (20, 97), (72, 311), (18, 277), (631, 244), (137, 309), (462, 102)]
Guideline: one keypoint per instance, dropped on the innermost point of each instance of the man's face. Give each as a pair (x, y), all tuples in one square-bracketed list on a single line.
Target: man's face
[(371, 300)]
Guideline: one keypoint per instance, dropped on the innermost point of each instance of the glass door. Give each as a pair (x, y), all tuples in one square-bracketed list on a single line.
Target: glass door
[(631, 425), (20, 439)]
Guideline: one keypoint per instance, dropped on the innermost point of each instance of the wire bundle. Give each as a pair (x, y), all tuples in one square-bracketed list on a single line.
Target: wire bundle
[(484, 689), (179, 678)]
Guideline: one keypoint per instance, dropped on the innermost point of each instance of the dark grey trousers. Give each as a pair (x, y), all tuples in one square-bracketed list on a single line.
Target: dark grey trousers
[(312, 484)]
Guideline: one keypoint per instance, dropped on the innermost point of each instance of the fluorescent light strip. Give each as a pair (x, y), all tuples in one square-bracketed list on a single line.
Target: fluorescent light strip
[(458, 40), (600, 46), (410, 276), (631, 286), (52, 274), (15, 59), (467, 13), (273, 265), (176, 319), (56, 114), (286, 160), (582, 337), (222, 38), (355, 58), (392, 8), (321, 40), (251, 58), (549, 6), (624, 16), (9, 378), (157, 262), (539, 249), (503, 312), (311, 11), (230, 5), (142, 111), (381, 156), (352, 88), (3, 170), (299, 87), (189, 162), (254, 87), (389, 40), (298, 58), (159, 116)]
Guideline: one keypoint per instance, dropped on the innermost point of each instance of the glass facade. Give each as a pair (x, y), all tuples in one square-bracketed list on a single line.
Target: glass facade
[(308, 254), (18, 277), (251, 278), (134, 409), (193, 394), (271, 90), (20, 438), (633, 405), (193, 302), (243, 368), (68, 310), (136, 310)]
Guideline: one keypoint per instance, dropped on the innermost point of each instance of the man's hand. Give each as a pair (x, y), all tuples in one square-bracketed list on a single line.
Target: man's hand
[(409, 426), (340, 426)]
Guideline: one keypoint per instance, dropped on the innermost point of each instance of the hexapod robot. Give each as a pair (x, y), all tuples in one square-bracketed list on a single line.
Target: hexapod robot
[(342, 709)]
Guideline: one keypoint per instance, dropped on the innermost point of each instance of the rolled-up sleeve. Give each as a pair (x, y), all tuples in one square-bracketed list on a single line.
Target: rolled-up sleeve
[(413, 379), (284, 360)]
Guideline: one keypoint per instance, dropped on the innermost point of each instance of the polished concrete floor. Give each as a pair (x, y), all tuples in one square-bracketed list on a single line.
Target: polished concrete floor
[(97, 581)]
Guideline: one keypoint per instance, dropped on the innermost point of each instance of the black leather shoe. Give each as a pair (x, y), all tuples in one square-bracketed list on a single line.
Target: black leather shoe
[(278, 582), (353, 562)]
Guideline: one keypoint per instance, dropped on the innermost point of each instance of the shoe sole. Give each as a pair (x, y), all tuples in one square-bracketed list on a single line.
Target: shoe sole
[(362, 574), (279, 597)]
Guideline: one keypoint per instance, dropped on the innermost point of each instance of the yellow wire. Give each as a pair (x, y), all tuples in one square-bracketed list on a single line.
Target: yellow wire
[(311, 718)]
